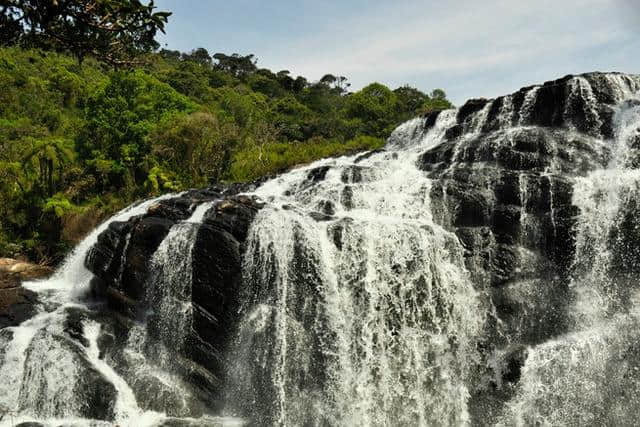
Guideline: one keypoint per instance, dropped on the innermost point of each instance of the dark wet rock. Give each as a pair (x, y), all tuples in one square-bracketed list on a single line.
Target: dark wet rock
[(317, 174), (347, 197), (492, 123), (454, 132), (103, 257), (74, 325), (337, 230), (366, 155), (352, 174), (176, 209), (326, 207), (470, 107), (234, 215), (513, 363), (215, 292), (121, 262), (504, 185), (431, 117), (17, 304), (319, 216), (6, 335), (487, 403), (146, 236)]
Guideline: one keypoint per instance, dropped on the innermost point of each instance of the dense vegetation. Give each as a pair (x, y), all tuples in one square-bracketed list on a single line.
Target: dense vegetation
[(115, 31), (79, 139)]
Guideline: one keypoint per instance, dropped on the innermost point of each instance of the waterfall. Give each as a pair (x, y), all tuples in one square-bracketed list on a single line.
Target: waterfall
[(368, 318), (481, 269), (72, 275), (49, 377), (591, 376), (169, 297), (31, 387)]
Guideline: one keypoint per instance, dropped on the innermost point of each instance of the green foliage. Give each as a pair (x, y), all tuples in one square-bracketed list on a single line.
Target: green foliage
[(375, 107), (435, 104), (159, 180), (276, 157), (59, 205), (80, 141), (115, 31), (120, 116), (197, 147)]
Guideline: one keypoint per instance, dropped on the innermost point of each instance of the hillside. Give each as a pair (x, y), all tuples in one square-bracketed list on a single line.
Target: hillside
[(80, 140)]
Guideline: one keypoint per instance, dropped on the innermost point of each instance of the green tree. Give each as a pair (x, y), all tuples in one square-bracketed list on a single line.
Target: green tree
[(196, 146), (437, 101), (235, 64), (375, 106), (199, 55), (410, 100), (291, 118), (115, 31), (120, 116), (47, 160), (79, 141)]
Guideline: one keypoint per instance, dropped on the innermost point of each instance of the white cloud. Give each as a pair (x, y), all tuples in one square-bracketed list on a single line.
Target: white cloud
[(468, 47), (465, 37)]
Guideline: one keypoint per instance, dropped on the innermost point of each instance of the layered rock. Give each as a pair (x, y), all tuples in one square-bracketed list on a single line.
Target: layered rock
[(502, 180), (121, 263), (504, 183)]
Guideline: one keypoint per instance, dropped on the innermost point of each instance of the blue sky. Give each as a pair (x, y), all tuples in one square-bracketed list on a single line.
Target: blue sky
[(470, 48)]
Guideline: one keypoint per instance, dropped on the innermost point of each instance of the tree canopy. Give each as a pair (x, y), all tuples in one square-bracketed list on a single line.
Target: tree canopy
[(79, 139), (115, 31)]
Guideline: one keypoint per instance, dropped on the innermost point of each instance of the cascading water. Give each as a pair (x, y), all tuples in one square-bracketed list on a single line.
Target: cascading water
[(154, 345), (591, 376), (20, 388), (73, 275), (49, 377), (366, 319), (363, 311), (482, 269)]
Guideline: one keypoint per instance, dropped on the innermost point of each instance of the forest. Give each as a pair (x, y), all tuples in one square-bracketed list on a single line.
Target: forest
[(84, 133)]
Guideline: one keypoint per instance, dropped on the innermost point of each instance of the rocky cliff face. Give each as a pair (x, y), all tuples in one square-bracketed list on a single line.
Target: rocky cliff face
[(121, 262), (499, 189)]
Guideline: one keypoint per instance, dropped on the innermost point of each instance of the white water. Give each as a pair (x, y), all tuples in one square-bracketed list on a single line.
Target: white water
[(356, 334), (71, 279), (591, 376), (527, 105), (364, 315), (199, 212), (47, 394), (169, 291), (377, 309), (72, 275)]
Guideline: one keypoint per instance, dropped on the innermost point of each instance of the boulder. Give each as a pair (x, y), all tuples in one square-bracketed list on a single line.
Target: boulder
[(18, 304), (121, 262)]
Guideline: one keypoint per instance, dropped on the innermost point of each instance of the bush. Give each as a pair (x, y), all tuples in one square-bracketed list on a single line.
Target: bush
[(276, 157), (120, 116), (78, 141), (196, 146)]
